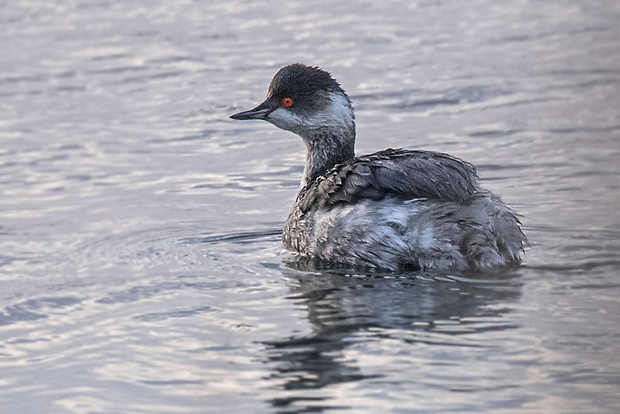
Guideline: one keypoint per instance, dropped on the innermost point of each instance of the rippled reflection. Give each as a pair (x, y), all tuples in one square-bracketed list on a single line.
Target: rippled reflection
[(404, 320)]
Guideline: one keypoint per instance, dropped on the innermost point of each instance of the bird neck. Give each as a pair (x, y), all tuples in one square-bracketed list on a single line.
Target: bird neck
[(325, 148)]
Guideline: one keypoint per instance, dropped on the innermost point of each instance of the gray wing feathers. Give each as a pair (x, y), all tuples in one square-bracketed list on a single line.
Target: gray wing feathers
[(398, 173)]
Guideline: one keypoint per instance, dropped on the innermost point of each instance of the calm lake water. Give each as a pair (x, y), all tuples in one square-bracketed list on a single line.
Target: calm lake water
[(140, 258)]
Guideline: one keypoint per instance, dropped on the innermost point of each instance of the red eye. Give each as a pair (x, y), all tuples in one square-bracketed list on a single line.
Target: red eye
[(287, 102)]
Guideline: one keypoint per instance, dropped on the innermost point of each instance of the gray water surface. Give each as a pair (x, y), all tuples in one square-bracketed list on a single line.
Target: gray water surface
[(140, 258)]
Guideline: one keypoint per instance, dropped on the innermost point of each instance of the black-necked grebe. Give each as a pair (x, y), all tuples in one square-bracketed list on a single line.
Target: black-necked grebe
[(394, 209)]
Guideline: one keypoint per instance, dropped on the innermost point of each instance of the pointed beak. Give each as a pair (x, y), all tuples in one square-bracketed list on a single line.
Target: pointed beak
[(262, 111)]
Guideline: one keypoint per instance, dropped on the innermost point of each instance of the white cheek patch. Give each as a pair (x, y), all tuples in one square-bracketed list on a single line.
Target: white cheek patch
[(338, 116), (285, 119)]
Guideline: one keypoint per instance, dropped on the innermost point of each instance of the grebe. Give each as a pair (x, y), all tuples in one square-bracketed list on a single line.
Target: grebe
[(391, 210)]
